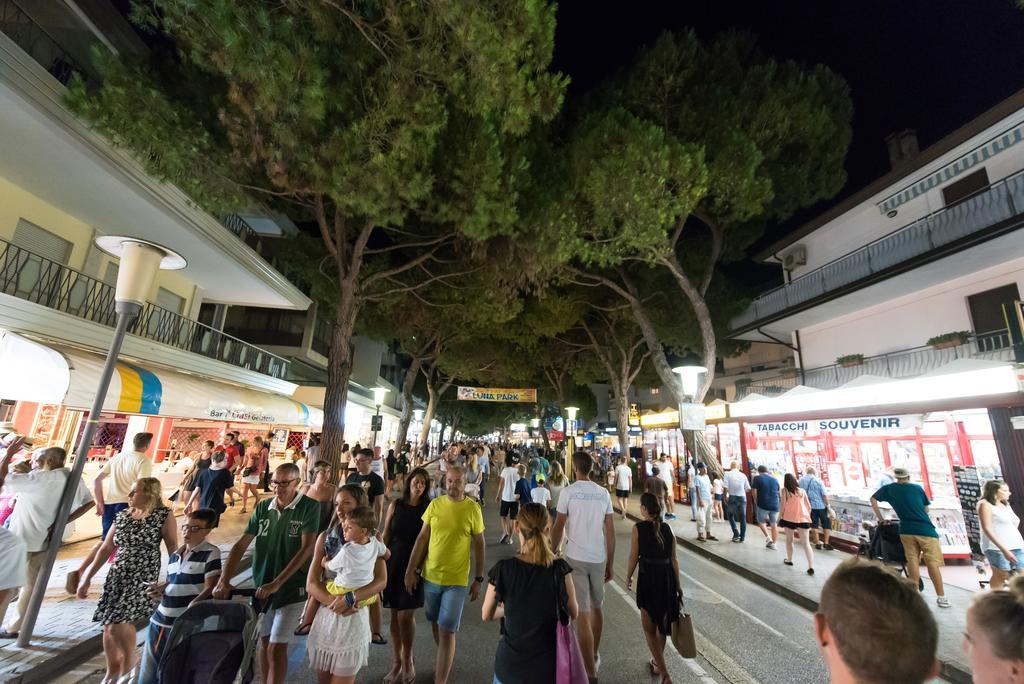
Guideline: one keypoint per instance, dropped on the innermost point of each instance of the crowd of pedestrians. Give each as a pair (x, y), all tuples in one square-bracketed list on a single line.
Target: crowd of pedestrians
[(327, 559)]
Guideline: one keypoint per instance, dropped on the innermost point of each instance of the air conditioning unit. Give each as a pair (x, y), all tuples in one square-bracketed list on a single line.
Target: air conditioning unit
[(794, 257)]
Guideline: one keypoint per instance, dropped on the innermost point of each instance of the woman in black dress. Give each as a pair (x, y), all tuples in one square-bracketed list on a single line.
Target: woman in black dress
[(523, 593), (401, 527), (657, 588)]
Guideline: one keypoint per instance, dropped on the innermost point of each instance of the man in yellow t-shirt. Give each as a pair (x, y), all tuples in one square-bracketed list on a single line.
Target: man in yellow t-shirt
[(450, 524)]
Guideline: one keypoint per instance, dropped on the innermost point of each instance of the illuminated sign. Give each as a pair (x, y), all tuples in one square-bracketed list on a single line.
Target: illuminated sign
[(497, 394)]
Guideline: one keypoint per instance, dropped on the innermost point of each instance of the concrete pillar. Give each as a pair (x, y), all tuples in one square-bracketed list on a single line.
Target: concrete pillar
[(1010, 446)]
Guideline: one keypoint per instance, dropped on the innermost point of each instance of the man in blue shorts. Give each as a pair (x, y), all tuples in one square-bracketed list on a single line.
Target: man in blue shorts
[(767, 505)]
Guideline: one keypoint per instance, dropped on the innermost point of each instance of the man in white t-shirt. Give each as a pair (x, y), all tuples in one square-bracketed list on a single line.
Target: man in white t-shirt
[(507, 496), (585, 516), (39, 493), (736, 487), (665, 473), (623, 485)]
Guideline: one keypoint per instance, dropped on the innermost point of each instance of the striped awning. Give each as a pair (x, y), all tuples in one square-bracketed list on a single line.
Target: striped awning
[(978, 155)]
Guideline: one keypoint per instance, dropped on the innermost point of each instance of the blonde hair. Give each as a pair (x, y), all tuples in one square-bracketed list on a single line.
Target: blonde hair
[(1000, 614), (557, 474), (534, 521), (151, 488)]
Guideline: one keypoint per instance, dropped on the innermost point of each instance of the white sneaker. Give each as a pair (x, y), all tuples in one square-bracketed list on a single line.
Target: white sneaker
[(943, 602)]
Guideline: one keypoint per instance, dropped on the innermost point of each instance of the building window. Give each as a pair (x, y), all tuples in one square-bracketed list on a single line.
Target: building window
[(965, 187), (655, 390), (988, 318), (166, 299), (34, 239), (110, 274)]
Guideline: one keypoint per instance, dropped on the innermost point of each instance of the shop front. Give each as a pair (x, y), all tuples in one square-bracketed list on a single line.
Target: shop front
[(855, 435), (50, 401)]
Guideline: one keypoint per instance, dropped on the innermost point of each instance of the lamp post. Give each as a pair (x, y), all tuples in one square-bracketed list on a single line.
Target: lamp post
[(139, 263), (570, 433), (689, 372), (378, 400)]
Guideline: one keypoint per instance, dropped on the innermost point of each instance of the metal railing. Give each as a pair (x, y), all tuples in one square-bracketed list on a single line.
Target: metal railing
[(32, 277), (17, 25), (906, 363), (1001, 201), (237, 225)]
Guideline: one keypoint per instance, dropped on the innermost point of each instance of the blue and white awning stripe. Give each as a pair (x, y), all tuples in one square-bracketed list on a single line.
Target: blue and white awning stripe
[(976, 156)]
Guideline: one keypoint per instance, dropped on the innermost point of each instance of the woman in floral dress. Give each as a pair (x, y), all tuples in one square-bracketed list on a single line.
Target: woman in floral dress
[(135, 536)]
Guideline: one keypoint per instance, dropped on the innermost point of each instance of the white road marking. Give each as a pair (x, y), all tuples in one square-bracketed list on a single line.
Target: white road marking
[(704, 648), (752, 618)]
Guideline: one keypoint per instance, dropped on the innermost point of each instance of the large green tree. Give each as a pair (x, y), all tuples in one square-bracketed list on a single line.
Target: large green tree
[(394, 126), (678, 163)]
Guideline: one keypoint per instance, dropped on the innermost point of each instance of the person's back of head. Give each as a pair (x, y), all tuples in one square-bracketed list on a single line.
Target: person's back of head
[(52, 458), (994, 639), (874, 627), (582, 463), (142, 440), (762, 469)]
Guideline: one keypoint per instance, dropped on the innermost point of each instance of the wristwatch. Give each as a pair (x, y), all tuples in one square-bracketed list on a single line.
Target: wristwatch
[(479, 578)]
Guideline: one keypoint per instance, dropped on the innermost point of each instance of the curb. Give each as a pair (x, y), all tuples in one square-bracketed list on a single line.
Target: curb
[(950, 671)]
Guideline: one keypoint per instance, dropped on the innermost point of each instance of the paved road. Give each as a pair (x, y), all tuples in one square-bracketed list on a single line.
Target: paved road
[(745, 633)]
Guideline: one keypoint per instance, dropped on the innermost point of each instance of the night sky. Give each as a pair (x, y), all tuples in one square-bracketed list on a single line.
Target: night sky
[(930, 65)]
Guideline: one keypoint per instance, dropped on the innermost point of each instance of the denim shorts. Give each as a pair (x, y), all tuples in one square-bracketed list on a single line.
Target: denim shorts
[(443, 604), (997, 560), (766, 517)]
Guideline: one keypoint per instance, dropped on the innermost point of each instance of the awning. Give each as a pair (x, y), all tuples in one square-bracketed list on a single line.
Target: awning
[(31, 372), (961, 379), (138, 389)]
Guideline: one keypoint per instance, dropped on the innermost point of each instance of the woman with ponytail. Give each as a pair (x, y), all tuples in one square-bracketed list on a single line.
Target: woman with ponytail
[(522, 594), (657, 588), (994, 638)]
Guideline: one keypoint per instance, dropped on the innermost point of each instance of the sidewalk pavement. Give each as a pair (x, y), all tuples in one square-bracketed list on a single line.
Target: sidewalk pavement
[(65, 634), (753, 561)]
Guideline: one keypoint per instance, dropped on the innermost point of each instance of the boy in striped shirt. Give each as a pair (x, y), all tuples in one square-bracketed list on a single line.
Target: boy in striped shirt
[(192, 573)]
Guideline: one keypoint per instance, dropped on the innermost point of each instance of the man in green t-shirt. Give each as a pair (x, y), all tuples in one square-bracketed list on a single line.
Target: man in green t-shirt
[(285, 529), (918, 534), (450, 525)]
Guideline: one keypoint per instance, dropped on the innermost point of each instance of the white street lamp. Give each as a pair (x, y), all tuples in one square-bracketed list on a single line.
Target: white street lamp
[(378, 400), (570, 433), (139, 262), (417, 415), (689, 372)]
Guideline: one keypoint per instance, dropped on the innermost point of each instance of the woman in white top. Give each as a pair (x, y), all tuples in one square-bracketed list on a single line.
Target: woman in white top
[(1001, 541), (718, 513)]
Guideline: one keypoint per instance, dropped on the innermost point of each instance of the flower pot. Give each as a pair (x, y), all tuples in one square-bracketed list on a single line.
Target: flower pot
[(949, 343), (852, 363)]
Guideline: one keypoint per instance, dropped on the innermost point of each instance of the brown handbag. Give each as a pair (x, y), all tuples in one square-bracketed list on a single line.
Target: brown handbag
[(683, 638)]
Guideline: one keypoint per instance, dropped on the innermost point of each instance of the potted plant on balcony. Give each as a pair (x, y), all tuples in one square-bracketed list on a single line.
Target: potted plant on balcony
[(950, 339), (742, 385), (850, 360)]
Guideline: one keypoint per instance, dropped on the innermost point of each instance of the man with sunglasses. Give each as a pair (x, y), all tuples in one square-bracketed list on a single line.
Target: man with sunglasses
[(284, 528), (192, 574)]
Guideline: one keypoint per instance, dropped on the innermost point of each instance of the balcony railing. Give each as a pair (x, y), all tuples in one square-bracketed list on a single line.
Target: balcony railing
[(1001, 201), (34, 278), (906, 363), (17, 25)]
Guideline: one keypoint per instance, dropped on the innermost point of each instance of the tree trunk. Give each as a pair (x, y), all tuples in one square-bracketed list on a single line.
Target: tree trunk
[(654, 346), (407, 399), (440, 434), (707, 329), (622, 416), (543, 430), (339, 370)]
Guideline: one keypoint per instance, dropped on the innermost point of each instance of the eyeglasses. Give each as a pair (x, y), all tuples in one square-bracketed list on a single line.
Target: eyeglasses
[(192, 528), (283, 483)]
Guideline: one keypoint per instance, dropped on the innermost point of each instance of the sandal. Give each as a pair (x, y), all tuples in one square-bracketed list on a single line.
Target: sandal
[(654, 668), (378, 639), (788, 562), (303, 629)]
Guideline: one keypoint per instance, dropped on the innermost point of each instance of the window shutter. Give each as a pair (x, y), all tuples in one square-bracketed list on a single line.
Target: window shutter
[(170, 301), (31, 237)]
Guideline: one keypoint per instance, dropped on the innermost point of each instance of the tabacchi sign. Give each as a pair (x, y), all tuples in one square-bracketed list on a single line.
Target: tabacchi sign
[(497, 394)]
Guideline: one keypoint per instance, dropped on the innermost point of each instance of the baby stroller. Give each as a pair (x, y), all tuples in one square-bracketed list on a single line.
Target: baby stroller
[(213, 642), (883, 544)]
